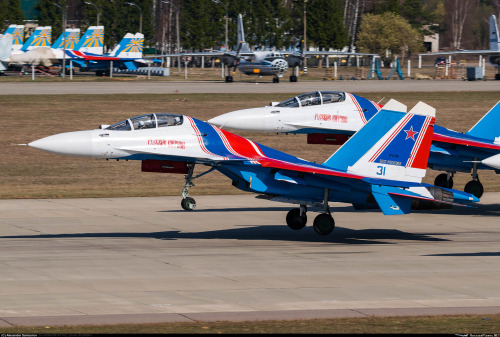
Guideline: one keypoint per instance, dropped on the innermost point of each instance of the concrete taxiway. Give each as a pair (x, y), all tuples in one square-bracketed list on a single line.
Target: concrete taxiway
[(139, 260), (188, 87)]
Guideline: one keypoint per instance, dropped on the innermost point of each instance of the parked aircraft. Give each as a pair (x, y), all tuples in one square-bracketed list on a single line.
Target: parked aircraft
[(41, 37), (261, 63), (68, 40), (382, 164), (17, 33), (493, 53), (126, 54), (331, 117)]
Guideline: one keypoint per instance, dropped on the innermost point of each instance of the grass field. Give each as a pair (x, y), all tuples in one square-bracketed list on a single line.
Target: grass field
[(30, 173), (467, 324)]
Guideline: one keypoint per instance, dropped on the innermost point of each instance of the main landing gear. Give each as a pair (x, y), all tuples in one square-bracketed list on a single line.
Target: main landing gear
[(473, 187), (188, 203), (276, 79), (323, 223)]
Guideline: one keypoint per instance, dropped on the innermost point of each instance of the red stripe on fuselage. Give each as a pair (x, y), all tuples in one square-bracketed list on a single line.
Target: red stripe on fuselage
[(446, 139), (241, 145)]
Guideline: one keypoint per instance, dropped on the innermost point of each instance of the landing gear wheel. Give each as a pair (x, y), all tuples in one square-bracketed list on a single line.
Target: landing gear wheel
[(276, 80), (443, 181), (324, 224), (229, 79), (475, 188), (188, 204), (294, 220), (293, 78)]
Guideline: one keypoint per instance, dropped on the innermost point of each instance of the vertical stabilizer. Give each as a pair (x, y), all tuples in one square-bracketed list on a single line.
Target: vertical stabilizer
[(494, 43), (92, 41), (242, 45), (41, 37), (489, 126), (5, 48), (17, 33), (393, 145), (129, 47), (72, 38)]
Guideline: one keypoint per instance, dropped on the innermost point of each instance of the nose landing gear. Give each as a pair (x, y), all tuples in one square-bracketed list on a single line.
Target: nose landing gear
[(188, 203)]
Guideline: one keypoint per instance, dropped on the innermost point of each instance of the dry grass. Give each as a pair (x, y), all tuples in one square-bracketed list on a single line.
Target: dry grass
[(29, 173), (465, 324)]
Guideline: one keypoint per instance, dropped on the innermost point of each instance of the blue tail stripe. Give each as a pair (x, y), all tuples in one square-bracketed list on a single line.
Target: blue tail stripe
[(363, 140)]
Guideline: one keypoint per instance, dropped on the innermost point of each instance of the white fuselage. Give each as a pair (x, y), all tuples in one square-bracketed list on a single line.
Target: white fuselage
[(345, 116)]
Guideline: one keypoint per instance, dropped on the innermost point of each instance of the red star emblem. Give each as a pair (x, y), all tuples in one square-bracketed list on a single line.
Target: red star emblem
[(410, 133)]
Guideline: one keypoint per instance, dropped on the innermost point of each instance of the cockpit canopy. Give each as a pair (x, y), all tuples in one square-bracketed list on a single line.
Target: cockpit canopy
[(149, 121), (313, 98)]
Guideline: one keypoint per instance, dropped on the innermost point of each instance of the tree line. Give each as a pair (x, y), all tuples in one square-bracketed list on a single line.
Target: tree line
[(361, 25)]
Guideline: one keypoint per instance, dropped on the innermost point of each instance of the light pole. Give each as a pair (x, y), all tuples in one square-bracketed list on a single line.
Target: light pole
[(140, 12), (304, 46), (177, 28), (96, 8), (63, 9), (225, 7)]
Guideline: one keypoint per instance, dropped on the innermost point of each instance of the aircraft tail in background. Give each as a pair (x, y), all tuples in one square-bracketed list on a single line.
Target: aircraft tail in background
[(17, 33), (488, 127), (494, 42), (72, 38), (393, 145), (41, 37), (242, 45), (92, 41), (130, 46)]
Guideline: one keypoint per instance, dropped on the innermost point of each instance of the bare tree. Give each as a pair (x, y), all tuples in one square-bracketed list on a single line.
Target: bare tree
[(458, 10)]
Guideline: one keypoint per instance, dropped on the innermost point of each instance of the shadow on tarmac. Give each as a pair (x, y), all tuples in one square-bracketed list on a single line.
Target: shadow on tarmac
[(271, 233)]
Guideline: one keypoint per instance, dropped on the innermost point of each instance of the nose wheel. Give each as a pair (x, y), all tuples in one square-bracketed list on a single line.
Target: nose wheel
[(188, 204)]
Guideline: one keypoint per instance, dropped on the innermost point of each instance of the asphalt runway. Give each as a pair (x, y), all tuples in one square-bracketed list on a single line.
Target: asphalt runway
[(144, 260), (249, 86)]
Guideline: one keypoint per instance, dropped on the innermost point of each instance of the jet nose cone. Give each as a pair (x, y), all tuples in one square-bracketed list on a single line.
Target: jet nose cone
[(257, 119), (77, 143)]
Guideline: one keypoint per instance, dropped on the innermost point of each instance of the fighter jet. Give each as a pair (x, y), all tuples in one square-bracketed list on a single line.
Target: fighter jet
[(382, 165), (331, 117), (261, 63)]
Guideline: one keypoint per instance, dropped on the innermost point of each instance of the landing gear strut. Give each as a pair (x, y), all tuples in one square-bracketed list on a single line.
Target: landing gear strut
[(324, 224), (187, 202), (474, 186)]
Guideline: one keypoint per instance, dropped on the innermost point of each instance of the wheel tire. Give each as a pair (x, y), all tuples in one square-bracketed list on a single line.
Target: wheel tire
[(475, 188), (188, 204), (324, 224), (442, 181), (294, 220)]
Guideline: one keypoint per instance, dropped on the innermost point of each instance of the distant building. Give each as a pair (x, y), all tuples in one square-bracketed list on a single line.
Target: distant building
[(431, 42)]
